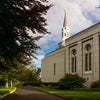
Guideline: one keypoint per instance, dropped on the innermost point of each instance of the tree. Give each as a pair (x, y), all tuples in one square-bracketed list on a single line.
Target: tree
[(2, 79), (17, 76), (17, 17), (29, 74)]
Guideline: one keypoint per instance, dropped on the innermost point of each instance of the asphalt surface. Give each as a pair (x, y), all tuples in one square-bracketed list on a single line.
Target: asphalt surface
[(28, 93)]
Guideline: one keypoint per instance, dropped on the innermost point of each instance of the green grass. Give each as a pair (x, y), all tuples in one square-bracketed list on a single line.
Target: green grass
[(4, 90), (75, 94)]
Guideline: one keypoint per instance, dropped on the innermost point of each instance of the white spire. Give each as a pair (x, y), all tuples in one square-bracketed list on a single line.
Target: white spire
[(65, 29)]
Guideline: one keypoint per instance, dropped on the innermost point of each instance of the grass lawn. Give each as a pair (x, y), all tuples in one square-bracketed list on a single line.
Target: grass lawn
[(76, 94), (5, 90)]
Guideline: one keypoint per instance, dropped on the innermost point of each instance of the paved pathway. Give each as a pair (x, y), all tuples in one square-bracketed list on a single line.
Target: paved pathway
[(28, 93)]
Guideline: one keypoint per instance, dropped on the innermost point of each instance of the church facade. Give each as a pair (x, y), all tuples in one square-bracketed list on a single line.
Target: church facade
[(79, 54)]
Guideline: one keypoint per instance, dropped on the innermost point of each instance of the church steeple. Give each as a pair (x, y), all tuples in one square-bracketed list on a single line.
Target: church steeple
[(65, 19), (65, 29)]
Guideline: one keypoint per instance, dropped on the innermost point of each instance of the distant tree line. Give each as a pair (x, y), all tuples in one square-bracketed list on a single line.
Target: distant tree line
[(20, 76)]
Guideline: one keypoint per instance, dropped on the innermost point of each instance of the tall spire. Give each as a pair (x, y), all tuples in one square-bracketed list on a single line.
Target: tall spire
[(65, 19), (65, 29)]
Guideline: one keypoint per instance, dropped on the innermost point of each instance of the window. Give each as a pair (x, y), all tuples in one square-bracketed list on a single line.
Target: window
[(74, 52), (72, 65), (88, 58), (86, 62), (54, 69), (89, 61), (74, 61), (88, 47)]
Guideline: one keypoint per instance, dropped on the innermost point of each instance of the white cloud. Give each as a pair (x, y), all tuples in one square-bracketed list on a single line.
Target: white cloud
[(77, 17), (89, 7), (80, 15)]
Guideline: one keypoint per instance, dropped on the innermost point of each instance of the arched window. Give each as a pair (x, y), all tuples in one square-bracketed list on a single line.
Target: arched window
[(74, 61), (88, 58)]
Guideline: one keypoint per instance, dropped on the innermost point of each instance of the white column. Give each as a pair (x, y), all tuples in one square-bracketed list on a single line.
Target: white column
[(96, 57), (79, 59)]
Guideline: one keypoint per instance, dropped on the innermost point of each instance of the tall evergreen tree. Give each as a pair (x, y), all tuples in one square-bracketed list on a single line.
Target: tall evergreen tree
[(17, 47)]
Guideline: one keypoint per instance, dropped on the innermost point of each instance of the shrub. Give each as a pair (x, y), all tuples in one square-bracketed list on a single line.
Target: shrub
[(32, 84), (71, 81), (95, 84), (49, 84)]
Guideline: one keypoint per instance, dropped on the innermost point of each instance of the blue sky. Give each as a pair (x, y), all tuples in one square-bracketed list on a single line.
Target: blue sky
[(81, 14)]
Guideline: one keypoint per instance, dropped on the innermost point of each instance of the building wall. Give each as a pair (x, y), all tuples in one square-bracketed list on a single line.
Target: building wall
[(49, 73), (62, 57)]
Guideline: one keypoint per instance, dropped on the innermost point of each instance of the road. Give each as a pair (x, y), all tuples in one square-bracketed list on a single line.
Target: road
[(28, 93)]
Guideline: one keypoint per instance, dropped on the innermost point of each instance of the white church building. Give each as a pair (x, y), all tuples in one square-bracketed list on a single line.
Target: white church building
[(79, 54)]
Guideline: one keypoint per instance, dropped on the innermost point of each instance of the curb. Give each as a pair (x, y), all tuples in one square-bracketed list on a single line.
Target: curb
[(7, 94), (55, 94)]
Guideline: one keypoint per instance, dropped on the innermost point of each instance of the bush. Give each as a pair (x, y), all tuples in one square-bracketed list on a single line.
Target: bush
[(95, 84), (49, 84), (32, 84), (71, 81), (38, 83)]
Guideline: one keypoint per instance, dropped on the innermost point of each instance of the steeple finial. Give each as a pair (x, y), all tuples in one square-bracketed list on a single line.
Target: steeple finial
[(65, 20), (65, 10)]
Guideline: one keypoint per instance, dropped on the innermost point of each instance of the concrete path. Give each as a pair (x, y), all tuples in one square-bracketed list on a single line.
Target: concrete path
[(28, 93)]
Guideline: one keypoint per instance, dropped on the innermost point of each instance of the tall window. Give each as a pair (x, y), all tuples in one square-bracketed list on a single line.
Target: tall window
[(74, 61), (89, 61), (72, 65), (88, 58), (86, 62), (54, 69)]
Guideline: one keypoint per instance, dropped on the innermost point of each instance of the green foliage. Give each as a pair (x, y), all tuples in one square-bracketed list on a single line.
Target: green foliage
[(2, 82), (6, 90), (3, 78), (49, 84), (95, 84), (29, 74), (17, 19), (39, 83), (18, 76), (36, 83), (10, 75), (71, 81)]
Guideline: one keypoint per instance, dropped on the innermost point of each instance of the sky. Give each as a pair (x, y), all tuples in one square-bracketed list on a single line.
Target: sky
[(81, 14)]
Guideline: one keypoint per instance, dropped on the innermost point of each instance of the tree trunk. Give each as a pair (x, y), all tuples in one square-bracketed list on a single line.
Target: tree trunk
[(7, 83), (11, 83)]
